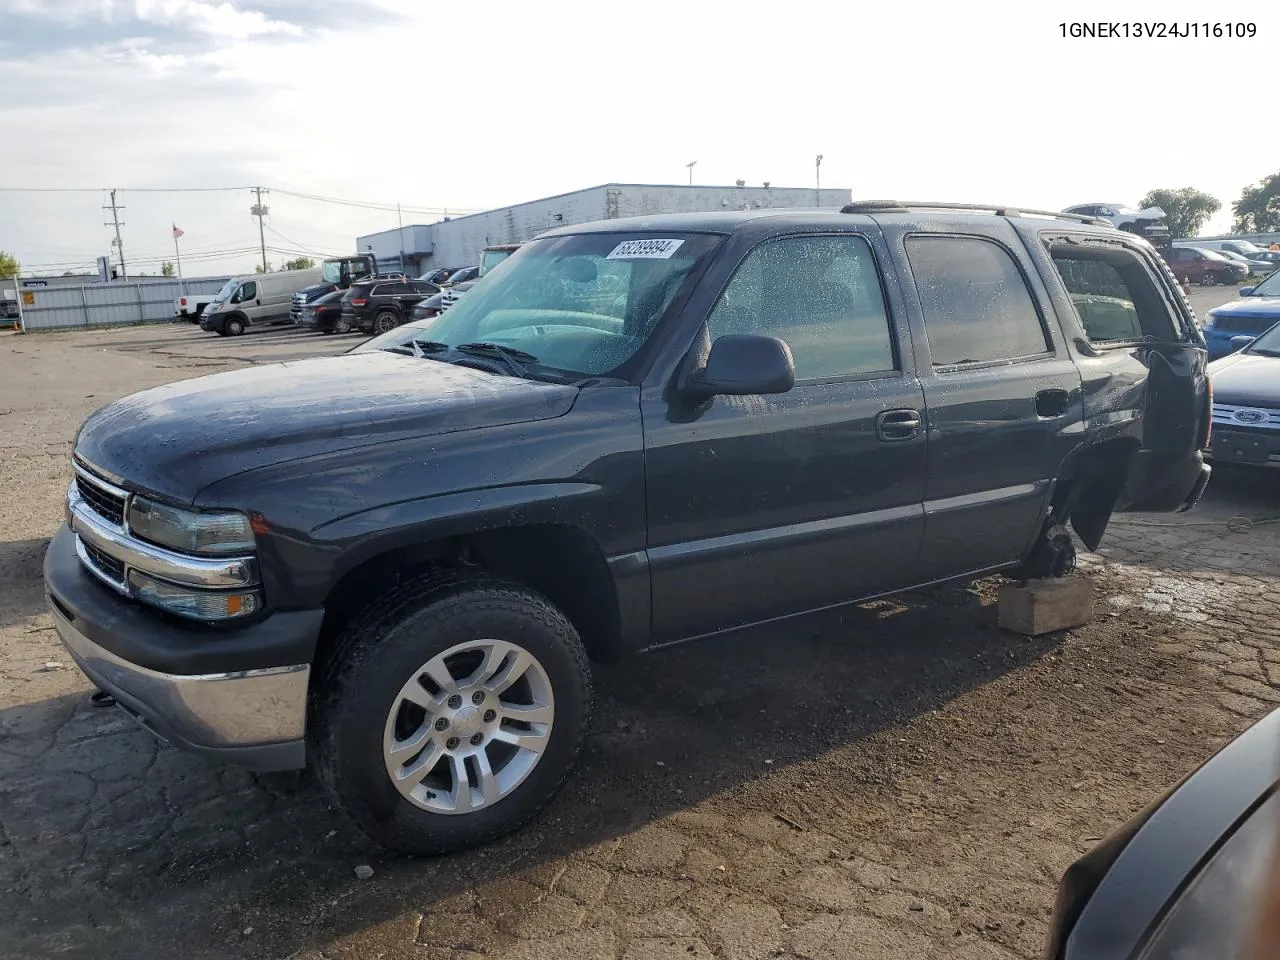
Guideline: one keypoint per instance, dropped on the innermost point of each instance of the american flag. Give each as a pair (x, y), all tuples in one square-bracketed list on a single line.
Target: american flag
[(177, 231)]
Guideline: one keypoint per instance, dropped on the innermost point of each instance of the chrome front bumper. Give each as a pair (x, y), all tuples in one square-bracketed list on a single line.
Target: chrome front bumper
[(253, 718)]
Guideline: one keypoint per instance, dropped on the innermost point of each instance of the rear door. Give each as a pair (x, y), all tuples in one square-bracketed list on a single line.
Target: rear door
[(1142, 362), (1001, 391)]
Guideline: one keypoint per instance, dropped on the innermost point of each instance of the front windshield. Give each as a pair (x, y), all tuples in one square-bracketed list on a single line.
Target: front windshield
[(1267, 344), (581, 305), (223, 295), (1269, 287), (331, 271), (491, 259)]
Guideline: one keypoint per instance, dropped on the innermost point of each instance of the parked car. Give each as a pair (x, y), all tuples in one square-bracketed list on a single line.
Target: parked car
[(382, 305), (336, 273), (461, 275), (263, 298), (1270, 257), (1254, 310), (1255, 267), (489, 258), (1205, 267), (439, 275), (1246, 248), (190, 307), (325, 314), (1182, 879), (396, 565), (1246, 402), (1149, 223)]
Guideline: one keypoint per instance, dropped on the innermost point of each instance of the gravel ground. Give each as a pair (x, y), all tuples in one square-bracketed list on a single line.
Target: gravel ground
[(900, 780)]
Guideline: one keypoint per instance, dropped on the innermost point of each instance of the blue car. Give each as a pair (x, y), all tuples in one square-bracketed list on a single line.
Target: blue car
[(1256, 311)]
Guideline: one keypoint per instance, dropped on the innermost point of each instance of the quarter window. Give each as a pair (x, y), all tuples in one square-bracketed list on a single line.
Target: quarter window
[(820, 294), (976, 304), (1113, 292)]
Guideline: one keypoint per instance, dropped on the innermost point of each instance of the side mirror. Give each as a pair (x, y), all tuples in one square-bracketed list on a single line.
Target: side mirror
[(1239, 343), (1244, 291), (743, 364)]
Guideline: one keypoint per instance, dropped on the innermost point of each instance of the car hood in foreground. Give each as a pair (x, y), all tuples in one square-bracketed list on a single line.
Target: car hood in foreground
[(175, 440), (1246, 379)]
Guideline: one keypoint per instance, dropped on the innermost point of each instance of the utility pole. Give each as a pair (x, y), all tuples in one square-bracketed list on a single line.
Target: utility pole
[(817, 181), (259, 211), (400, 219), (115, 222), (691, 164)]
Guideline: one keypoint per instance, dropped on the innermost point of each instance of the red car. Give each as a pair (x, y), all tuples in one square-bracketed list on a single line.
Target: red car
[(1205, 267)]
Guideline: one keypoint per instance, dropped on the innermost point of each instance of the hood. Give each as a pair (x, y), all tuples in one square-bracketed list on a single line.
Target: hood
[(175, 440), (316, 290), (1249, 307), (1246, 380)]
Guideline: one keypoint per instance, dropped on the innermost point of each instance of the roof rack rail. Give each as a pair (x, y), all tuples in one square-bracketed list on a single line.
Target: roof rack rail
[(1000, 210)]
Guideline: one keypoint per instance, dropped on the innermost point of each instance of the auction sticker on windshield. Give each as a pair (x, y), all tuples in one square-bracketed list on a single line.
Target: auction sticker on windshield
[(644, 250)]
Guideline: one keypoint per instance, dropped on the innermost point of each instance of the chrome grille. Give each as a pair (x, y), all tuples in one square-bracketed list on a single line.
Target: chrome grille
[(108, 565), (100, 498), (1235, 417)]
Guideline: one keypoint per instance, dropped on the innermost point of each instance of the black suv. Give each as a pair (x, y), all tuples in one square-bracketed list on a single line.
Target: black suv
[(398, 563), (383, 305)]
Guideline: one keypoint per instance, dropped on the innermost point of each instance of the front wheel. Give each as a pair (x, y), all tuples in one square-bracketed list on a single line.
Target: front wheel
[(449, 715), (234, 326)]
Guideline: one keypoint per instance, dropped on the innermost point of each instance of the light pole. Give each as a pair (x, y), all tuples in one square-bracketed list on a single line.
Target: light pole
[(691, 164), (817, 181)]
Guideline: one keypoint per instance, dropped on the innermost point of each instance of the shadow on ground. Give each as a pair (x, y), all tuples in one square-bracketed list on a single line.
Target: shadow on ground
[(114, 846), (22, 572)]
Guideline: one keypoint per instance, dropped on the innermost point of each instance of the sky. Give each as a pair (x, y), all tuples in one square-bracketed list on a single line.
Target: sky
[(479, 105)]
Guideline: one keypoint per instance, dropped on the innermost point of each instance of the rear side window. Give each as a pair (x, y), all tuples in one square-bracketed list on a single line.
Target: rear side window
[(1113, 292), (819, 294), (977, 308)]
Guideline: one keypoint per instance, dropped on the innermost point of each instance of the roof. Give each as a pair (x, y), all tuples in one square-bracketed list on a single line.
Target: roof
[(725, 222)]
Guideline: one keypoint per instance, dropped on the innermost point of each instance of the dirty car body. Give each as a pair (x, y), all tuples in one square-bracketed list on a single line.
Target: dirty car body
[(635, 433)]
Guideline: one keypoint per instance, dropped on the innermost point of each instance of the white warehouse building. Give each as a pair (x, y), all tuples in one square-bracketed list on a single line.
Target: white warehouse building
[(457, 242)]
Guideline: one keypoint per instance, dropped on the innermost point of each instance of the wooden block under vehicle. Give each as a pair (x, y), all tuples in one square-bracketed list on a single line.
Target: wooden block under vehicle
[(1043, 606)]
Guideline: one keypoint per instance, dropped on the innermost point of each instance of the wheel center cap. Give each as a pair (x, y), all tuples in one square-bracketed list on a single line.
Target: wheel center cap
[(467, 721)]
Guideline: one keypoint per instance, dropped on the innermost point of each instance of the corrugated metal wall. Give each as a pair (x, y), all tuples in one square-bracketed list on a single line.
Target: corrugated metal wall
[(110, 304)]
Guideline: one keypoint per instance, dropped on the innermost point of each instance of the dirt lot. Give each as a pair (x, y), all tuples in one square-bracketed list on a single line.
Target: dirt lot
[(902, 780)]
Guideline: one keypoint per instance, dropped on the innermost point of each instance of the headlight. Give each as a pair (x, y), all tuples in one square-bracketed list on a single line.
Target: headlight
[(195, 604), (209, 534), (1209, 321)]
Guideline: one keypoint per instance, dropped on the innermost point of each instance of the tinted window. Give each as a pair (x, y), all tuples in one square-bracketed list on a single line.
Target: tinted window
[(422, 287), (821, 295), (976, 304)]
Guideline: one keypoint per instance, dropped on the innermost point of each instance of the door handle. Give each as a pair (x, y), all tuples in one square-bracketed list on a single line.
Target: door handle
[(1052, 403), (894, 426)]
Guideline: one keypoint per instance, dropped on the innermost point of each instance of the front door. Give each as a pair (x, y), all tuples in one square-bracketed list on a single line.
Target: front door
[(763, 506), (1003, 397)]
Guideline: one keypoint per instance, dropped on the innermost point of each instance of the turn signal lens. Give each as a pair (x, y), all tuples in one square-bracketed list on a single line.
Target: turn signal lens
[(193, 604)]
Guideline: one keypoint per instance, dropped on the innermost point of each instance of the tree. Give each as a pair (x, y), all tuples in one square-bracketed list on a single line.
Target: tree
[(9, 265), (166, 269), (1258, 209), (298, 263), (259, 269), (1186, 210)]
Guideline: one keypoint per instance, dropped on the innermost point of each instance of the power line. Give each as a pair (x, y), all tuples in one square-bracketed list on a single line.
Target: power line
[(368, 205)]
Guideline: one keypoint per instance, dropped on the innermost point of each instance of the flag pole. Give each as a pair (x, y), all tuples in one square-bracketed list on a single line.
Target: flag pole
[(178, 253)]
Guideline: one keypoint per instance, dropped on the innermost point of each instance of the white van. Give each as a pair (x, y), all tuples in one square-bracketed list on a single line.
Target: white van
[(263, 298), (1242, 247)]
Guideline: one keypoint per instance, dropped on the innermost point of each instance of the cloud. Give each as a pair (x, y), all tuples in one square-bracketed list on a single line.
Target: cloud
[(200, 17)]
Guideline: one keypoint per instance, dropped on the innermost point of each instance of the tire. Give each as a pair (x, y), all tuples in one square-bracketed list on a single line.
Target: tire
[(234, 326), (1209, 280), (359, 710), (385, 320), (342, 325)]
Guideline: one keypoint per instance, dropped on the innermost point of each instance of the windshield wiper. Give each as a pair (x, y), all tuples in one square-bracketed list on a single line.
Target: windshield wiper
[(1265, 351), (514, 359)]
